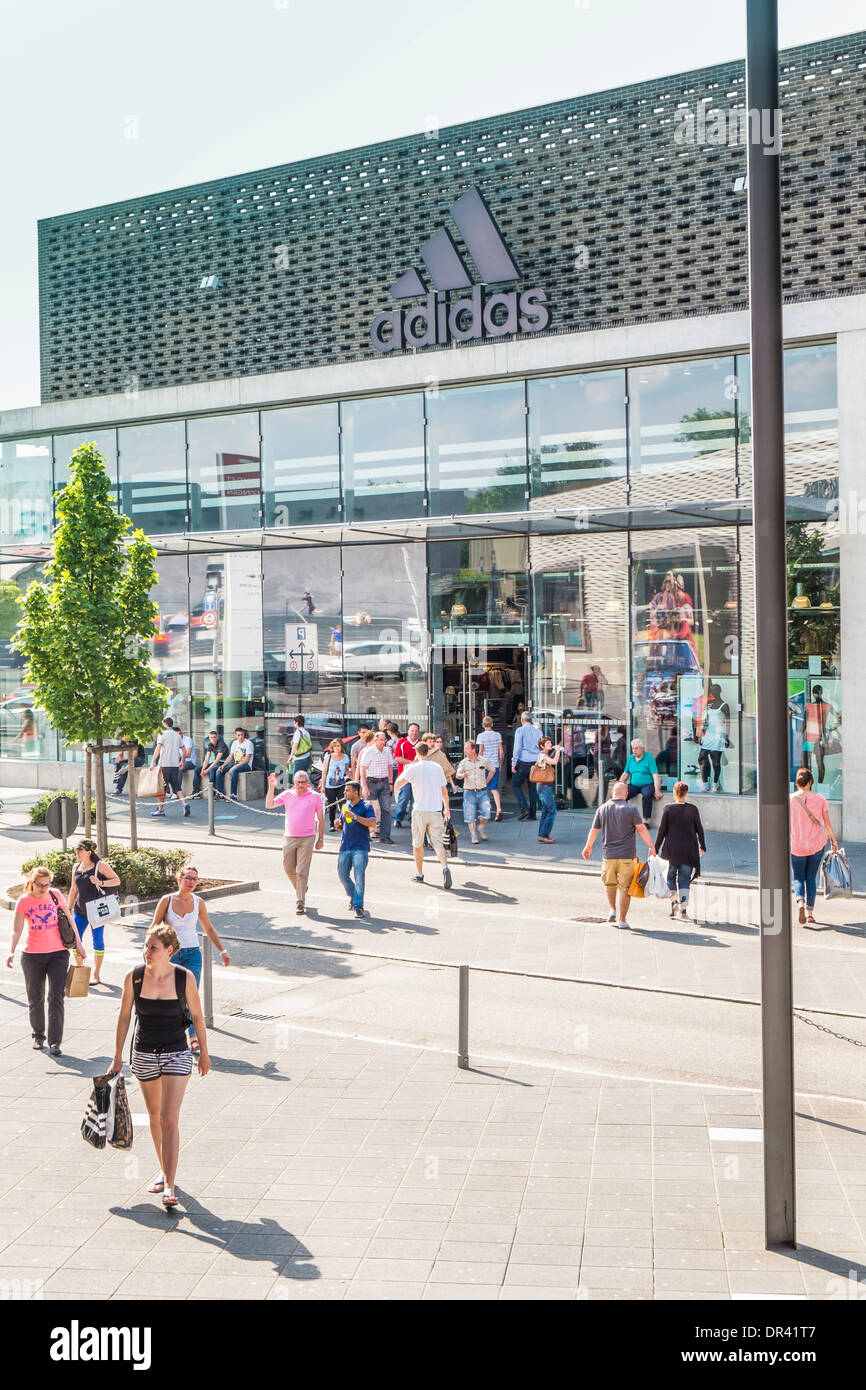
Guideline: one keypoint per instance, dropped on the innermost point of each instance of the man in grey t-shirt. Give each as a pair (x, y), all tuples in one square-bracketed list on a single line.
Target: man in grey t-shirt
[(618, 822)]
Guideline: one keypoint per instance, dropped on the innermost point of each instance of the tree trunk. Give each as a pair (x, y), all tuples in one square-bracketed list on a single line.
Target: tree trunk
[(101, 820), (88, 791), (130, 782)]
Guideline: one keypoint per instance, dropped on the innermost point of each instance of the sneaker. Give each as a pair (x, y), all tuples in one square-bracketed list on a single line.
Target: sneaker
[(524, 815), (157, 813), (611, 916), (186, 810), (419, 878), (446, 876), (359, 913), (385, 840), (54, 1049), (622, 925)]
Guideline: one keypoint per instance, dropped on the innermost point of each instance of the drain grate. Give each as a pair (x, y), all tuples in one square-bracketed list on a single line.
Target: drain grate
[(255, 1018)]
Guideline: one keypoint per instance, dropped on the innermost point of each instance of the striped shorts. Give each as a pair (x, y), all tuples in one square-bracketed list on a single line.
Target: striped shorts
[(150, 1066)]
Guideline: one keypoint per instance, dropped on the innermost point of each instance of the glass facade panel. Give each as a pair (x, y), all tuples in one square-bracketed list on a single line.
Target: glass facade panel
[(577, 440), (224, 473), (301, 465), (24, 730), (152, 469), (479, 591), (383, 457), (685, 659), (580, 684), (226, 642), (476, 449), (302, 643), (171, 639), (384, 642), (66, 444), (682, 430), (811, 423), (25, 491)]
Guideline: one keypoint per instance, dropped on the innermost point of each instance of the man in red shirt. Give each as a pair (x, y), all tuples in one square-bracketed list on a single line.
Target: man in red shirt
[(404, 753)]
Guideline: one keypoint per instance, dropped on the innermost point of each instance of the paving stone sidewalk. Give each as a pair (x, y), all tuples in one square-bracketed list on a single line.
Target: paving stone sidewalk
[(336, 1168)]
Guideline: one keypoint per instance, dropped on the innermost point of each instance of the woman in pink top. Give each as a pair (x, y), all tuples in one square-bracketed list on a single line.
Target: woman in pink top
[(810, 831), (44, 956)]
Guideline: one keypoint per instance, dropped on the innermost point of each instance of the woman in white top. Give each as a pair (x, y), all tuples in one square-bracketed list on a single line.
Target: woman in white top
[(492, 748), (185, 911)]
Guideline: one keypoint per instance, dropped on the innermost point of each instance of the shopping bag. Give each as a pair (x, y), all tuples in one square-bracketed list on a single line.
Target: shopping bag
[(657, 887), (77, 982), (449, 838), (118, 1125), (93, 1126), (636, 887), (837, 875), (103, 909), (150, 782)]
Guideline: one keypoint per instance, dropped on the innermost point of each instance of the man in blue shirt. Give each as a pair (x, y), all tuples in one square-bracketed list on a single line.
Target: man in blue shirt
[(358, 818), (523, 755), (643, 776)]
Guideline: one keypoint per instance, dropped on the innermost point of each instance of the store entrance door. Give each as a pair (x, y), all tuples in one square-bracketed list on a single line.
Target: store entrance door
[(467, 687)]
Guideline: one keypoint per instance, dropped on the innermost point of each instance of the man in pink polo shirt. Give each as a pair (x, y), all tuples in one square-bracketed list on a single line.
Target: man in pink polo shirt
[(305, 829)]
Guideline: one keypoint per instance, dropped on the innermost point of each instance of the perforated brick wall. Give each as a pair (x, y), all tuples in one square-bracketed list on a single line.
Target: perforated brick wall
[(304, 254)]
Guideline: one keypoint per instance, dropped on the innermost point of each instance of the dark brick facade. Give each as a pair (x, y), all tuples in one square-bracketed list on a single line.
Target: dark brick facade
[(663, 228)]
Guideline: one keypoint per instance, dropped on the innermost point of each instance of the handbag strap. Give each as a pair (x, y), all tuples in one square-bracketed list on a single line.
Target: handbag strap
[(812, 818)]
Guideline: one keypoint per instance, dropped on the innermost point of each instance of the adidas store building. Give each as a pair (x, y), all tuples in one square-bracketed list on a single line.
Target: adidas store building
[(459, 424)]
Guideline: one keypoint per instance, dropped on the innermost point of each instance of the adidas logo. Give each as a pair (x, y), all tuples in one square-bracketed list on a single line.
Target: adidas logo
[(475, 315)]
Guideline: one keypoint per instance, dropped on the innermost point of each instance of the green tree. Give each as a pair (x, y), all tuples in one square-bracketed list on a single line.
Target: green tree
[(85, 629), (10, 610)]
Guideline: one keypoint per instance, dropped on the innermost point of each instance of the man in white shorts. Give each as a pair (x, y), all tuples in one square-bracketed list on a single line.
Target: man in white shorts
[(430, 806)]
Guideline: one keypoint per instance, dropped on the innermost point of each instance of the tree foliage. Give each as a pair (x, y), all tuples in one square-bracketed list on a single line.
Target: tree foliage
[(85, 628)]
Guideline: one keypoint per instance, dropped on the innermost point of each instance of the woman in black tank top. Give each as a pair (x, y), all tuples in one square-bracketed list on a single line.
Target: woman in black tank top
[(161, 993)]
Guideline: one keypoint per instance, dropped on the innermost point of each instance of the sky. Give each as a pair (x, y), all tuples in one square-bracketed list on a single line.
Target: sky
[(102, 100)]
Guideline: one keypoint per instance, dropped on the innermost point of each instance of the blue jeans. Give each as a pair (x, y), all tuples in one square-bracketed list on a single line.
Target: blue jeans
[(219, 779), (476, 805), (405, 802), (351, 861), (805, 869), (190, 958), (518, 777), (679, 878), (301, 763), (548, 808)]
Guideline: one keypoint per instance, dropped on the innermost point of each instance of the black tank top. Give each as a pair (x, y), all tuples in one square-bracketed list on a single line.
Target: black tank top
[(87, 888), (160, 1025)]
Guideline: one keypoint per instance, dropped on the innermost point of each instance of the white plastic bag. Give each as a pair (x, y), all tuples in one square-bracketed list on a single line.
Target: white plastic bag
[(658, 879)]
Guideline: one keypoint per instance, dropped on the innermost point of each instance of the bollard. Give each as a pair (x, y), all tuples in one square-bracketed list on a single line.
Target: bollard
[(463, 1018), (210, 807), (207, 981)]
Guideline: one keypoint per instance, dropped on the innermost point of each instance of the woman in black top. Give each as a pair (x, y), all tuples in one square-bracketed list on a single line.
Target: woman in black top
[(681, 841), (161, 1059), (91, 876)]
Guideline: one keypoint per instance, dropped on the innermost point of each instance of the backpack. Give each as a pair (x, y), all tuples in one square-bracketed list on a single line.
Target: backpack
[(180, 988)]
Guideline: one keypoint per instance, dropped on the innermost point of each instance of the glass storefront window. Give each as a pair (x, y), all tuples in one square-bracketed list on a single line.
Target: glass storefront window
[(303, 645), (224, 473), (24, 730), (479, 591), (814, 657), (682, 430), (65, 446), (811, 423), (685, 662), (152, 471), (476, 449), (171, 639), (225, 591), (301, 465), (383, 457), (384, 648), (577, 439), (25, 491)]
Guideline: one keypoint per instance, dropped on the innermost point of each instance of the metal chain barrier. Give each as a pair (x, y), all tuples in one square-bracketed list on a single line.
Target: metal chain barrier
[(821, 1028)]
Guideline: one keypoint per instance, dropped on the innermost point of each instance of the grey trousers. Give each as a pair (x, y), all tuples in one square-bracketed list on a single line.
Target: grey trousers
[(39, 966)]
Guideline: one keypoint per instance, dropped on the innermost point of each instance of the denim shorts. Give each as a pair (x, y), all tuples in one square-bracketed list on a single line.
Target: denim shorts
[(476, 805)]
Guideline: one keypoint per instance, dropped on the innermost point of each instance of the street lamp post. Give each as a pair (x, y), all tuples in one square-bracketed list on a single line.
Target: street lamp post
[(771, 636)]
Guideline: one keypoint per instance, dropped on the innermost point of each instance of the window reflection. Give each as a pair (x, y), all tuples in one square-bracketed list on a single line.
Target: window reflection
[(65, 446), (25, 491), (224, 472), (682, 430), (811, 423), (385, 646), (577, 439), (479, 585), (301, 465), (152, 468), (476, 443), (302, 645), (383, 457)]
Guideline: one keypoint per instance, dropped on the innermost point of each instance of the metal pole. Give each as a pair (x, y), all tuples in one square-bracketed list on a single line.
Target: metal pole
[(88, 791), (771, 605), (599, 766), (210, 807), (130, 782), (463, 1018), (207, 981)]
